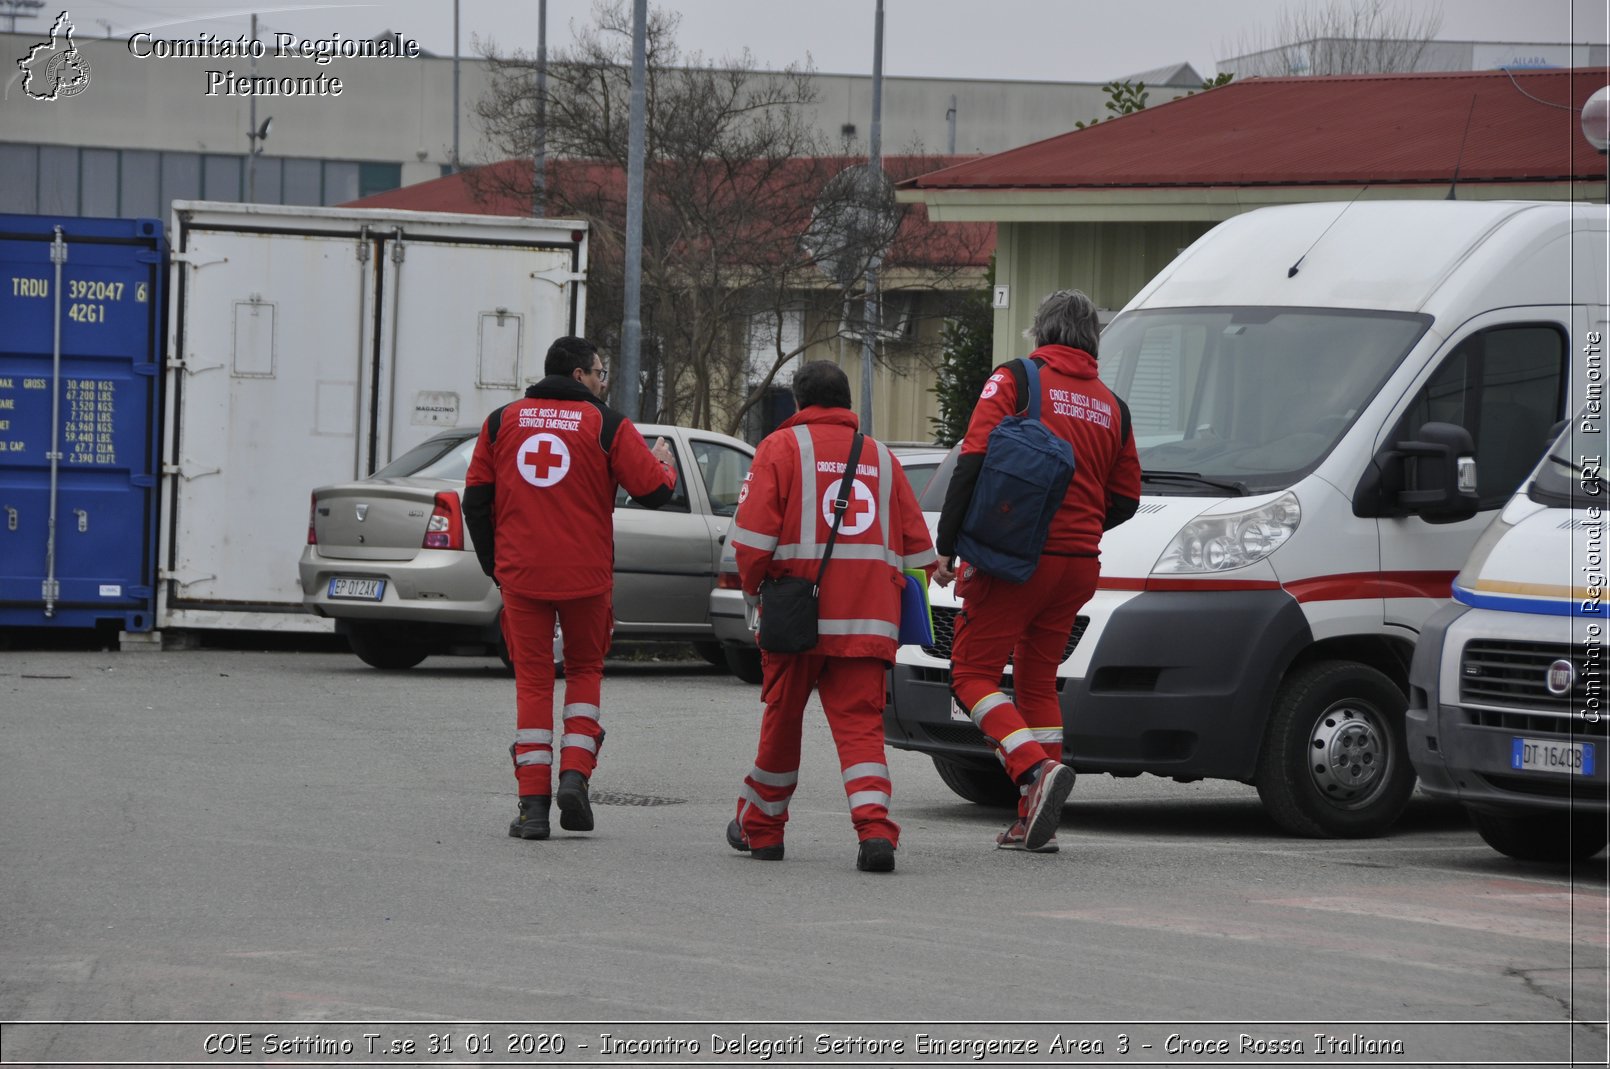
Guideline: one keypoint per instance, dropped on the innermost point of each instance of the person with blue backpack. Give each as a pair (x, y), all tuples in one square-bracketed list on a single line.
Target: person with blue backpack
[(1047, 465)]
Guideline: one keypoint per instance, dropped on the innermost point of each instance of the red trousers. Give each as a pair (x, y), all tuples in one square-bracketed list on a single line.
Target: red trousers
[(1028, 623), (851, 690), (528, 630)]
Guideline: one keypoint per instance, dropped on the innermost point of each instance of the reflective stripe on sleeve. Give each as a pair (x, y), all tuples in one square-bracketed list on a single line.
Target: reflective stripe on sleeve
[(919, 560), (533, 737), (582, 711), (534, 757), (752, 539), (771, 809), (580, 742), (866, 768)]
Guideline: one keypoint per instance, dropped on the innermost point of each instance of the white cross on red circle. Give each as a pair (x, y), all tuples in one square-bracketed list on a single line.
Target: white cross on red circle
[(543, 459), (859, 515)]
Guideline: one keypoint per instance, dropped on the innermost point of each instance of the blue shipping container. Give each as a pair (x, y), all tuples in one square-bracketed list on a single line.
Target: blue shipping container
[(81, 311)]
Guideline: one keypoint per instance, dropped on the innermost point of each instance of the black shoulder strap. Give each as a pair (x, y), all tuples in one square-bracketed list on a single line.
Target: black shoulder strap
[(1124, 427), (841, 503)]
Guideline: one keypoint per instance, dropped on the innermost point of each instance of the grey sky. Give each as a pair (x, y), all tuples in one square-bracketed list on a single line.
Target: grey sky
[(1054, 40)]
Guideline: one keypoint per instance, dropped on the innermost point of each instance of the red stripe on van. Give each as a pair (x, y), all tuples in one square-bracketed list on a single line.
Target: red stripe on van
[(1124, 583), (1352, 586), (1356, 585)]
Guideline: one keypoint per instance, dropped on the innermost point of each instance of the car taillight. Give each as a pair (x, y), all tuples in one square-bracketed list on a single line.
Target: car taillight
[(312, 511), (728, 581), (446, 527)]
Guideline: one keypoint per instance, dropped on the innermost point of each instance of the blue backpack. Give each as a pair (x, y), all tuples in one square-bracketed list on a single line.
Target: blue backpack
[(1020, 487)]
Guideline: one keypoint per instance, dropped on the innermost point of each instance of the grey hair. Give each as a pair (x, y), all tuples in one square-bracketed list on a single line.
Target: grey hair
[(1066, 317)]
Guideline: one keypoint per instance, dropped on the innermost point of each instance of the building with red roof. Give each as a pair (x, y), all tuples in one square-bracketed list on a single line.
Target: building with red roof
[(1106, 207)]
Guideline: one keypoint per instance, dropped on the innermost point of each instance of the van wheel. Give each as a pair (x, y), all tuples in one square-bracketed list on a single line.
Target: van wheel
[(385, 646), (981, 786), (1553, 836), (1335, 761), (743, 662)]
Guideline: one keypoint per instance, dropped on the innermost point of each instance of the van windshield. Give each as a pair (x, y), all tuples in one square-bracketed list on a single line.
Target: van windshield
[(1249, 399), (1572, 474)]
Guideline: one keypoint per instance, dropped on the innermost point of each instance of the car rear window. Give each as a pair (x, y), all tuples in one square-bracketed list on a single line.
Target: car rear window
[(439, 458), (932, 498)]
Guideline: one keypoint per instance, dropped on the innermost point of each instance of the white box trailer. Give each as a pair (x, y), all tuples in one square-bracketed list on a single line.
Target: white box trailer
[(308, 346)]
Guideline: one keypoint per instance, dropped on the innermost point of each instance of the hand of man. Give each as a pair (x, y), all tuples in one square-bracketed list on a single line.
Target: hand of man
[(944, 574), (662, 452)]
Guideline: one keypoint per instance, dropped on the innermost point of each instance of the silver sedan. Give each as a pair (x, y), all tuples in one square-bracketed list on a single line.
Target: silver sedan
[(389, 557)]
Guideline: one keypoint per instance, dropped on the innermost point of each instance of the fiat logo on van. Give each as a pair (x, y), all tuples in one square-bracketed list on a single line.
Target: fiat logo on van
[(1560, 678)]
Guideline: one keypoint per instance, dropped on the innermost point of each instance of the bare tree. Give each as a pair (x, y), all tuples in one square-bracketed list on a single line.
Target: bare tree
[(1337, 37), (735, 177)]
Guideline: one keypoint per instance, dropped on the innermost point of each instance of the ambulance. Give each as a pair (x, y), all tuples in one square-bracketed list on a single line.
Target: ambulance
[(1331, 402), (1506, 692)]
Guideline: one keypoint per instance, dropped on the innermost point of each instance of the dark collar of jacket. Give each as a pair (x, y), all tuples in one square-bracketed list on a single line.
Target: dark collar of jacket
[(1068, 360), (561, 388), (820, 416)]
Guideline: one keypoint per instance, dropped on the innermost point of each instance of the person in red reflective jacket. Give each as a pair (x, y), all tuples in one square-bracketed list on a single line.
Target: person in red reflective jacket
[(539, 502), (1029, 623), (785, 512)]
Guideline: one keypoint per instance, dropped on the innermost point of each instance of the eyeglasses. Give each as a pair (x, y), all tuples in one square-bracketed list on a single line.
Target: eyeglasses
[(602, 373)]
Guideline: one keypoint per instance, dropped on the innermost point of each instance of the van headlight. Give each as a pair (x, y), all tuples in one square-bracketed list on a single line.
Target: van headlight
[(1227, 540)]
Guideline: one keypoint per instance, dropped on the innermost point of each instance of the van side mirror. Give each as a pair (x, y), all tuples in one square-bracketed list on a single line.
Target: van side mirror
[(1432, 476), (1439, 474)]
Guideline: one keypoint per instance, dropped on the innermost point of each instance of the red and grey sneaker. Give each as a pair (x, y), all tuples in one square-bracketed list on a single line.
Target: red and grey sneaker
[(1015, 838), (1044, 803)]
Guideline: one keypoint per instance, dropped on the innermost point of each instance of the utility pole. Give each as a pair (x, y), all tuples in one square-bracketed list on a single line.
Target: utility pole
[(539, 165), (871, 315), (251, 127), (628, 361), (455, 86)]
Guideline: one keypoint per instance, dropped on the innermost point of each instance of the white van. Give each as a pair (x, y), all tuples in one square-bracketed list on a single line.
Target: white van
[(1330, 401), (1506, 696)]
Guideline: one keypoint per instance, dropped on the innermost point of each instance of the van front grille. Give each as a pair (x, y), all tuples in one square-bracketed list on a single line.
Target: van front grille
[(1515, 674), (945, 634)]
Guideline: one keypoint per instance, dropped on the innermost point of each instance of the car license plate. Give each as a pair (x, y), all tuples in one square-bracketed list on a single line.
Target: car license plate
[(357, 589), (1547, 755)]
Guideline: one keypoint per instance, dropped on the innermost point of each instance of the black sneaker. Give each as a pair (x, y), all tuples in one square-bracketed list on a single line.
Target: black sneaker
[(876, 855), (532, 820), (575, 812), (736, 840)]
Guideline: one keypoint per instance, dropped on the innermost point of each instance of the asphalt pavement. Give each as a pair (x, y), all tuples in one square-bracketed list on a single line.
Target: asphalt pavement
[(315, 850)]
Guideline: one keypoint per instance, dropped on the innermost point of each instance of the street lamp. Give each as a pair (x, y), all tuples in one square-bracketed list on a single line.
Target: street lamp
[(1596, 120)]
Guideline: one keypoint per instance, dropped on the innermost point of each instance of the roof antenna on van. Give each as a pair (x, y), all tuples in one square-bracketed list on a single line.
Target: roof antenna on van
[(1463, 138), (1292, 271)]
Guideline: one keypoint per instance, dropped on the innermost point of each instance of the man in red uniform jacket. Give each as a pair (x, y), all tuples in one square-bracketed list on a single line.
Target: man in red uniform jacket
[(540, 505), (785, 512), (1029, 623)]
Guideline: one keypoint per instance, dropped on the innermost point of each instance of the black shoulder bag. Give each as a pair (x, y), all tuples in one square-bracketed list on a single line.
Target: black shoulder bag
[(788, 603)]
